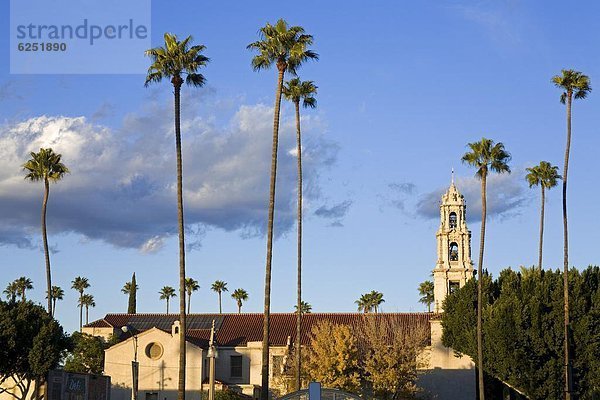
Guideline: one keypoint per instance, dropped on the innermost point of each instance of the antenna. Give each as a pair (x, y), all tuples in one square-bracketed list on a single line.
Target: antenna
[(453, 175)]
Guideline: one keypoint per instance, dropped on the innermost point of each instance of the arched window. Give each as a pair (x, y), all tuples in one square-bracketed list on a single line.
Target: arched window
[(453, 251), (452, 220)]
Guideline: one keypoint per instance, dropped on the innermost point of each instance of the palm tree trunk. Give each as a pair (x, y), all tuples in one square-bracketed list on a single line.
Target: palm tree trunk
[(87, 310), (566, 253), (45, 240), (220, 308), (239, 308), (53, 306), (542, 227), (80, 311), (177, 82), (299, 314), (480, 288), (264, 395), (167, 306)]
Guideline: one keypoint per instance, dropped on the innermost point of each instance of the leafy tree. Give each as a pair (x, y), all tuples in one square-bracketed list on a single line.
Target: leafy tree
[(364, 303), (87, 301), (166, 293), (57, 294), (23, 284), (485, 156), (546, 176), (286, 47), (130, 289), (294, 90), (12, 291), (426, 293), (31, 344), (174, 61), (573, 84), (80, 284), (219, 287), (240, 295), (305, 308), (45, 166), (191, 285), (87, 354), (376, 300)]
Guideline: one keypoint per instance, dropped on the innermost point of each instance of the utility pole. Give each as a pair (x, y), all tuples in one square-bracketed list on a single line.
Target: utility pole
[(212, 355)]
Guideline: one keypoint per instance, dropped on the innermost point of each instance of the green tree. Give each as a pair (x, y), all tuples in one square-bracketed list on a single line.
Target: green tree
[(80, 284), (45, 166), (174, 61), (485, 156), (130, 289), (12, 291), (191, 285), (286, 47), (376, 299), (240, 295), (573, 84), (166, 293), (87, 301), (219, 287), (295, 91), (57, 294), (364, 303), (426, 293), (305, 308), (87, 354), (546, 176), (23, 284)]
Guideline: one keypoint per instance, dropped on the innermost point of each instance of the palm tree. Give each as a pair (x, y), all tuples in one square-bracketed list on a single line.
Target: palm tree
[(23, 284), (240, 295), (173, 61), (87, 301), (80, 284), (364, 303), (294, 90), (376, 300), (57, 294), (191, 285), (573, 84), (12, 291), (166, 293), (485, 156), (305, 308), (130, 289), (546, 176), (219, 286), (286, 47), (426, 293), (45, 166)]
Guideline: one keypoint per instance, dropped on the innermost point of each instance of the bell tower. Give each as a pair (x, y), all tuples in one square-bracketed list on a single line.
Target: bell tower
[(454, 266)]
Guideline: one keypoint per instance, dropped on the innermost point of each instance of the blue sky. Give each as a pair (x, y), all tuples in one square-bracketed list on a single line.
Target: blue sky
[(403, 86)]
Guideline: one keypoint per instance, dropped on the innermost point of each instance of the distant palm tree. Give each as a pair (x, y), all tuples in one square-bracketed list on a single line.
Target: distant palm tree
[(45, 166), (12, 291), (219, 286), (173, 61), (130, 289), (426, 293), (166, 293), (376, 300), (87, 301), (23, 284), (305, 308), (485, 156), (57, 294), (546, 176), (240, 295), (286, 47), (364, 303), (294, 90), (573, 84), (191, 285), (80, 284)]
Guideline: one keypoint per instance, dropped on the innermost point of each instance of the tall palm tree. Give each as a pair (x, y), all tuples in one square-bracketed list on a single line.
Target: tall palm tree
[(166, 293), (23, 284), (174, 61), (57, 294), (45, 166), (546, 176), (485, 156), (219, 287), (573, 84), (240, 295), (364, 303), (426, 293), (191, 285), (80, 284), (286, 47), (376, 300), (295, 91), (130, 289), (305, 308), (87, 301), (12, 291)]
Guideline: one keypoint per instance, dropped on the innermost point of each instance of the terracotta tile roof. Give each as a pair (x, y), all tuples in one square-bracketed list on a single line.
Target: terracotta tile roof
[(239, 329)]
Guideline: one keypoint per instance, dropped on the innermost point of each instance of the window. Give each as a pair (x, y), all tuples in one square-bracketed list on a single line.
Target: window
[(453, 286), (452, 220), (154, 351), (453, 251), (236, 366)]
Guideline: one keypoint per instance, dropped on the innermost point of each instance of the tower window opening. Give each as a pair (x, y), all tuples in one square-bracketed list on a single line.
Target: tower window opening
[(452, 220), (453, 286), (453, 251)]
